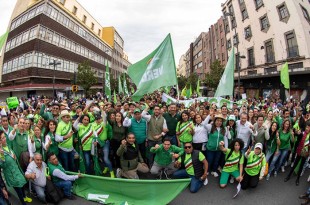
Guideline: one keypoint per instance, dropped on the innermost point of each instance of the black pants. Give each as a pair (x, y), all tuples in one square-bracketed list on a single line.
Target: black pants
[(150, 155), (21, 194), (303, 160), (114, 145), (249, 181)]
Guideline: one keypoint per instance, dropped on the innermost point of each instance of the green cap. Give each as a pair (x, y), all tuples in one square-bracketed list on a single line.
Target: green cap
[(136, 110)]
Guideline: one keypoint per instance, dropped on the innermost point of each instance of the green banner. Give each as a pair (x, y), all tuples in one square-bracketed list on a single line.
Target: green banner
[(284, 76), (128, 191), (120, 87), (125, 85), (3, 39), (12, 102), (107, 89)]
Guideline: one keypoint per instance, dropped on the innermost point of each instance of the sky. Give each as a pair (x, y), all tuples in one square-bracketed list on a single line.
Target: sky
[(143, 24)]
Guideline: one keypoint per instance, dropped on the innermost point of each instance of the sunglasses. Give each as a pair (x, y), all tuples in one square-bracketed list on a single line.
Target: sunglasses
[(187, 147)]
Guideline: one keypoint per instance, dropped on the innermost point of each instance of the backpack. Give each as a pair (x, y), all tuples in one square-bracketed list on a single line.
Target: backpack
[(52, 193)]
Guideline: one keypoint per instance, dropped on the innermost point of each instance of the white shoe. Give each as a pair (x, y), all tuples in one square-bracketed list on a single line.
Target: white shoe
[(282, 169), (214, 174), (292, 164), (308, 180), (268, 177), (118, 173), (232, 180), (285, 164), (275, 174)]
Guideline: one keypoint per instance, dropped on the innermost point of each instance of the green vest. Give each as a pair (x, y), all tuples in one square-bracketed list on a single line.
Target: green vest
[(8, 141), (138, 129), (52, 167), (86, 135), (38, 145), (20, 143), (255, 163), (155, 127), (214, 139), (63, 129), (54, 146)]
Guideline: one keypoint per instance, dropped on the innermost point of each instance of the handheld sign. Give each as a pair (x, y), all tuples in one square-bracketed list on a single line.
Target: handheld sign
[(12, 102)]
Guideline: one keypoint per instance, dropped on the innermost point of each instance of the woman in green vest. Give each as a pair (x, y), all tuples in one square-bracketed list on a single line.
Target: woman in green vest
[(185, 129), (12, 172), (41, 124), (50, 143), (37, 143), (87, 136)]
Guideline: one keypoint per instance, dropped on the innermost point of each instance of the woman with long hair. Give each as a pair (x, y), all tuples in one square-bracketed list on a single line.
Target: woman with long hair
[(285, 135), (251, 117), (273, 143), (184, 129), (200, 137), (50, 143), (36, 143), (269, 119)]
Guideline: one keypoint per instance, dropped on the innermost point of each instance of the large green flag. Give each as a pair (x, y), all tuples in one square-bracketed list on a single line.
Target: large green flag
[(125, 85), (226, 84), (124, 191), (3, 39), (115, 99), (189, 92), (285, 77), (198, 88), (155, 70), (107, 83), (120, 88)]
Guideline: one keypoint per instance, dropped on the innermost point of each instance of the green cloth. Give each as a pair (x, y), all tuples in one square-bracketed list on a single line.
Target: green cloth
[(134, 192), (164, 157), (214, 140), (184, 129), (12, 101), (86, 135), (188, 159), (285, 139), (8, 141), (62, 130), (12, 172), (20, 143), (54, 146), (284, 76), (52, 167), (46, 115), (255, 163), (139, 129), (232, 163), (103, 132)]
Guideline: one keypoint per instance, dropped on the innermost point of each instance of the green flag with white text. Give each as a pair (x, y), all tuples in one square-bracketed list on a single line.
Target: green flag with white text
[(120, 88), (155, 70), (198, 88), (125, 85), (226, 84), (3, 39), (107, 89), (285, 77)]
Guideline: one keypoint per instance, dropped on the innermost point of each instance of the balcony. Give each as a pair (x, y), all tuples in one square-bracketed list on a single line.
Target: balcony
[(270, 57), (292, 52)]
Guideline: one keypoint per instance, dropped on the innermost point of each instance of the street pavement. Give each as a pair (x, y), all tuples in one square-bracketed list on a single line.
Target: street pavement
[(272, 192)]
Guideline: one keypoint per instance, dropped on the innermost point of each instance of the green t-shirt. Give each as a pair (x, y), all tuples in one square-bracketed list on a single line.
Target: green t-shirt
[(285, 139), (188, 159), (255, 163), (232, 163)]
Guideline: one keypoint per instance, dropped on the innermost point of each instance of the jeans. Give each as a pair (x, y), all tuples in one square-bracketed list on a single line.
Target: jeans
[(268, 155), (67, 160), (281, 156), (106, 150), (21, 194), (66, 186), (40, 192), (195, 184), (87, 159), (2, 200), (213, 158)]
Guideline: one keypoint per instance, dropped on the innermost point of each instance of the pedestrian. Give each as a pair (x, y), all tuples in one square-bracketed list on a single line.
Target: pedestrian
[(185, 129)]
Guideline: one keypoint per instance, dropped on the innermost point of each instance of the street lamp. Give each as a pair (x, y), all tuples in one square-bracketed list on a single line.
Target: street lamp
[(54, 63), (238, 60)]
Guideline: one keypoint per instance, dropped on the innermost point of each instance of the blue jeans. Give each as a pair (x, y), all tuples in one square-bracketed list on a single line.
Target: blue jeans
[(2, 200), (196, 183), (66, 186), (67, 160), (40, 192), (213, 158), (87, 161), (105, 152), (281, 157), (268, 155)]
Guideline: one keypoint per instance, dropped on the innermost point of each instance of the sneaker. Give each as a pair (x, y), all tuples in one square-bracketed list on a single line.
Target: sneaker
[(27, 199), (118, 173), (282, 169), (214, 174), (285, 164), (112, 174), (275, 174), (268, 177), (166, 175), (71, 197), (232, 180), (292, 164), (105, 170)]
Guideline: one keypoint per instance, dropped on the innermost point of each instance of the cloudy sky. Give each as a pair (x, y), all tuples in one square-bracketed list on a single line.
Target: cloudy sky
[(143, 24)]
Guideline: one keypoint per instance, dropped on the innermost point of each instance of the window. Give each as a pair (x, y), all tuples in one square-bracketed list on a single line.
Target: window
[(231, 9), (229, 43), (62, 2), (241, 1), (99, 32), (92, 26), (25, 36), (74, 10), (222, 42), (292, 47), (283, 12), (62, 41), (236, 39), (251, 61), (258, 3), (227, 28), (84, 19), (269, 52), (305, 12), (264, 22), (33, 33), (247, 32), (233, 22), (244, 14), (55, 39)]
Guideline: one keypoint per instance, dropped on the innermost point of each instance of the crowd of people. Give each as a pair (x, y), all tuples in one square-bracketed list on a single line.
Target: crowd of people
[(44, 138)]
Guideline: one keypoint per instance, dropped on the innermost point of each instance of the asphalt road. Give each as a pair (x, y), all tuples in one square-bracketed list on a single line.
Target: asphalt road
[(272, 192)]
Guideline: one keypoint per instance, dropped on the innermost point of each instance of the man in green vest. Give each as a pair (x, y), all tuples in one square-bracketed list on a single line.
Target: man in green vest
[(50, 115), (156, 128), (59, 176)]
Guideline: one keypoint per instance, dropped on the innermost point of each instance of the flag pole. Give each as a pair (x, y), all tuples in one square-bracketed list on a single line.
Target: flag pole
[(178, 92)]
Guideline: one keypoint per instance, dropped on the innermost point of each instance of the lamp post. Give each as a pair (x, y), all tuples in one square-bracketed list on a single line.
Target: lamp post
[(54, 63), (238, 60)]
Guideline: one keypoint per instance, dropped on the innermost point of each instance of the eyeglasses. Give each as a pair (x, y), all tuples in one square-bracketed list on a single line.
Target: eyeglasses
[(55, 108), (187, 147)]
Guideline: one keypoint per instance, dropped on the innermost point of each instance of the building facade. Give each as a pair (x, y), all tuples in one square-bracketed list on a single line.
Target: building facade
[(47, 31), (268, 34)]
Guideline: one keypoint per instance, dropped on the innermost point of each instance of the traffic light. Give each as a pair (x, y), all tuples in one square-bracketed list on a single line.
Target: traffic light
[(75, 88)]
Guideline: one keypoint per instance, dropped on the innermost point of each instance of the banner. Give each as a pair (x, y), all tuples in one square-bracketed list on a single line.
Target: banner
[(284, 76), (226, 84), (107, 89), (125, 85), (130, 191), (3, 39), (155, 70), (12, 102)]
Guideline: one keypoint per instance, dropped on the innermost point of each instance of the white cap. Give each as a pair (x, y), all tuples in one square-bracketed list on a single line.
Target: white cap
[(258, 145)]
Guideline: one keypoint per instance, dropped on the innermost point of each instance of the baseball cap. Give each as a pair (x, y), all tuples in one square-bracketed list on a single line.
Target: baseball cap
[(258, 145), (137, 110)]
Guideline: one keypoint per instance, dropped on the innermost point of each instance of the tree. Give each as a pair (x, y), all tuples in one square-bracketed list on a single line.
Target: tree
[(183, 81), (85, 76), (214, 76)]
